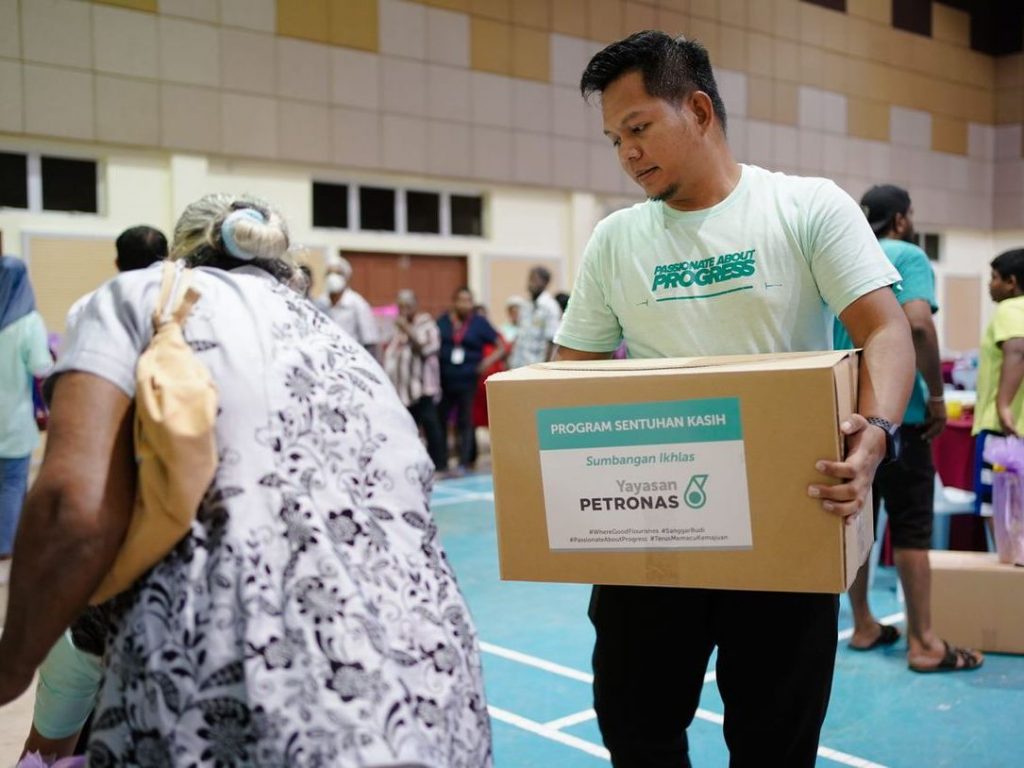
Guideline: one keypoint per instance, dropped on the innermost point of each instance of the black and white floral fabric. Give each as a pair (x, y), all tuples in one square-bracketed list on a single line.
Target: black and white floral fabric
[(311, 618)]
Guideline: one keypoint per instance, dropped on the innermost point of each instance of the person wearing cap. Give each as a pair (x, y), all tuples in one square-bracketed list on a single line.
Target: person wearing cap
[(347, 307), (725, 259), (907, 485)]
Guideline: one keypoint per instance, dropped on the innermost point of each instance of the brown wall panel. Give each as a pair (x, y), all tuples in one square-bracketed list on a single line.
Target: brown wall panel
[(62, 269), (962, 313), (949, 135)]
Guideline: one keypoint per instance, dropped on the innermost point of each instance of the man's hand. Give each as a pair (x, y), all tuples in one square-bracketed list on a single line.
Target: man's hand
[(1007, 421), (865, 445), (13, 683), (936, 421)]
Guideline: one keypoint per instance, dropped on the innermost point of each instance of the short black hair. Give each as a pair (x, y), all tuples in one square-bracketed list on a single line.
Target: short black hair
[(543, 273), (672, 68), (462, 289), (1010, 264), (139, 247)]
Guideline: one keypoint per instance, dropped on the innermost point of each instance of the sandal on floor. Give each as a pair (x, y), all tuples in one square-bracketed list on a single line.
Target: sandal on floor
[(887, 635), (951, 661)]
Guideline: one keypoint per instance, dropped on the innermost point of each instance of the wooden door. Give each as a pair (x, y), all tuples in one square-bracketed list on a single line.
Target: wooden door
[(379, 277)]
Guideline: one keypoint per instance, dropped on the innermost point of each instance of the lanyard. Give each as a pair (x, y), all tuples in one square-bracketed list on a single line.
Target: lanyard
[(460, 334)]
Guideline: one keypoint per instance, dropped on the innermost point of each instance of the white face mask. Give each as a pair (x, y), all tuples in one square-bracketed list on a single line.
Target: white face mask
[(335, 283)]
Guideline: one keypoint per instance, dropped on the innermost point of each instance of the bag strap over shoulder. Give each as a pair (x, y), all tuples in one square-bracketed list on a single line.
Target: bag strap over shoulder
[(177, 296)]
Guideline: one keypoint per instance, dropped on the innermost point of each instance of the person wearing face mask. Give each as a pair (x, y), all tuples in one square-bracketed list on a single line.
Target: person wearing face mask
[(907, 485), (347, 307)]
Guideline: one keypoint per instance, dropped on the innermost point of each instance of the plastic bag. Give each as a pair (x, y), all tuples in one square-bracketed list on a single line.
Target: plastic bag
[(1006, 455)]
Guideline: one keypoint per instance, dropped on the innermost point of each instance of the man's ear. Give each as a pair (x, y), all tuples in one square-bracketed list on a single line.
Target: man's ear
[(703, 109)]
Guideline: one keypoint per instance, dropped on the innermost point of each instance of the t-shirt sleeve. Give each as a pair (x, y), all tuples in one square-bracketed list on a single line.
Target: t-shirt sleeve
[(1008, 321), (112, 330), (589, 324), (35, 348), (486, 331), (916, 278), (69, 680), (844, 255)]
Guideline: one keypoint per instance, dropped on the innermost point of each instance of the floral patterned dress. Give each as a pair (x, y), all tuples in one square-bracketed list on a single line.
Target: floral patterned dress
[(311, 618)]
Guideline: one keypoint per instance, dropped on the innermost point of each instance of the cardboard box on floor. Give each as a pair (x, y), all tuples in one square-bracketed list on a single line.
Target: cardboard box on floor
[(978, 602), (677, 472)]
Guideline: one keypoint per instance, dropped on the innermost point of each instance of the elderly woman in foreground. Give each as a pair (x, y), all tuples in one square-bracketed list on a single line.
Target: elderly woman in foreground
[(310, 617)]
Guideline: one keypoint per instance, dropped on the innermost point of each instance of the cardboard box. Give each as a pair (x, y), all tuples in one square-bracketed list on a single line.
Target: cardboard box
[(978, 602), (676, 472)]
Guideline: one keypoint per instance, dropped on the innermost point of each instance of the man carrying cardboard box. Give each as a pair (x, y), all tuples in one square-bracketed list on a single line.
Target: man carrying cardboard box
[(725, 259)]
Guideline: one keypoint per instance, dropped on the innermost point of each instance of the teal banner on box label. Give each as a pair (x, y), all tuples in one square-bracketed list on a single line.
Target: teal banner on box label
[(661, 423)]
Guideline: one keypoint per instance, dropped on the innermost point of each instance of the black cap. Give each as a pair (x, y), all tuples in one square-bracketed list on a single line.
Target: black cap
[(881, 203)]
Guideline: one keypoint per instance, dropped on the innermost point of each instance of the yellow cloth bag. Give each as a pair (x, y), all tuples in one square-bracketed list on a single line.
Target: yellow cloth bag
[(175, 445)]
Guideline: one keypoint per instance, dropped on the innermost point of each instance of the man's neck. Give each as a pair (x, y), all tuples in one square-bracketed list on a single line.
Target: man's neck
[(721, 177)]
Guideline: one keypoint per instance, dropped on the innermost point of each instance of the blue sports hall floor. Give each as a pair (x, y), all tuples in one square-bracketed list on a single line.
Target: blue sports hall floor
[(536, 643)]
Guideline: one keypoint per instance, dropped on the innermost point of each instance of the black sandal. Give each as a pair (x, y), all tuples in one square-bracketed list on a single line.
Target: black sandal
[(887, 635), (951, 661)]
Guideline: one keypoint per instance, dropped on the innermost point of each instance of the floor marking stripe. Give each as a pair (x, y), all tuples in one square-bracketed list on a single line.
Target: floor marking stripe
[(549, 733), (571, 720), (892, 618), (533, 661)]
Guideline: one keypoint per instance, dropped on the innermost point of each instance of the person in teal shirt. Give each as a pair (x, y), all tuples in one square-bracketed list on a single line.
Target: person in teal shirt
[(907, 485), (24, 353)]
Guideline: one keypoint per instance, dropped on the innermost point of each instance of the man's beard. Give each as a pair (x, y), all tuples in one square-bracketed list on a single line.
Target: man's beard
[(666, 194), (910, 236)]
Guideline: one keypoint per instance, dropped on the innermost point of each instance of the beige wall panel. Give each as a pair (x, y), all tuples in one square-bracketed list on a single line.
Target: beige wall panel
[(867, 119), (307, 20), (876, 10), (451, 5), (605, 20), (680, 6), (785, 110), (497, 10), (63, 269), (1010, 106), (760, 54), (786, 60), (786, 16), (812, 66), (812, 24), (138, 5), (867, 40), (1010, 71), (704, 9), (507, 277), (639, 16), (760, 15), (979, 69), (354, 24), (760, 98), (962, 313), (674, 22), (900, 52), (949, 135), (705, 31), (836, 77), (490, 46), (533, 13), (735, 13), (732, 52), (569, 17), (951, 25), (531, 54), (980, 106), (835, 31)]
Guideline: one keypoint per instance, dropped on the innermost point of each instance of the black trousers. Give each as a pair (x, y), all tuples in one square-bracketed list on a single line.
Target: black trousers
[(424, 413), (462, 401), (776, 655)]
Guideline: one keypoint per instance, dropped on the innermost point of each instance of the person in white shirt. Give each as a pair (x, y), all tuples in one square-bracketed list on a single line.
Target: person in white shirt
[(347, 307), (539, 319)]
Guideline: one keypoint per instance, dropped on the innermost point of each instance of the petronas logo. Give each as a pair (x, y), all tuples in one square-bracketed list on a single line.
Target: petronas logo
[(695, 495)]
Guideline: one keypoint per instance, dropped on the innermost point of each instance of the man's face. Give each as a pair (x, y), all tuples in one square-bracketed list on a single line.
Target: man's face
[(655, 140), (1000, 288), (535, 284), (905, 225), (406, 308), (463, 304)]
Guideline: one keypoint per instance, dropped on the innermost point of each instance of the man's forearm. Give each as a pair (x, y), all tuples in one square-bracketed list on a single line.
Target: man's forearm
[(887, 372), (1010, 377), (926, 350)]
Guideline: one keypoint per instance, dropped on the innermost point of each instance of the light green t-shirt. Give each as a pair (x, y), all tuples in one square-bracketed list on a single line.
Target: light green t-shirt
[(69, 680), (763, 271), (1007, 323), (23, 354)]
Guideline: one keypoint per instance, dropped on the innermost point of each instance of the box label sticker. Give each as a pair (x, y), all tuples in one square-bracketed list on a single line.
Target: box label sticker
[(666, 475)]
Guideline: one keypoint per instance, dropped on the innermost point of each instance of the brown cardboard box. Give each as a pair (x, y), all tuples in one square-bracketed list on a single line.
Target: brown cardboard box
[(677, 472), (977, 601)]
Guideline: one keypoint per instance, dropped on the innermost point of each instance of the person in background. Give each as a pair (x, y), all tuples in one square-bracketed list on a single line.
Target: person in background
[(509, 330), (788, 253), (999, 408), (563, 300), (268, 635), (907, 485), (137, 248), (410, 359), (480, 415), (24, 353), (347, 307), (538, 322), (464, 334)]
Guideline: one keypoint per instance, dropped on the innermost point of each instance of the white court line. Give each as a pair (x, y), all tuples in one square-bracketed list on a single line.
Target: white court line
[(549, 733), (533, 661), (570, 720)]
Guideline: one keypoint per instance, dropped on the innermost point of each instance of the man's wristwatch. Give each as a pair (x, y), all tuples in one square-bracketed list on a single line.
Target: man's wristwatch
[(892, 437)]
